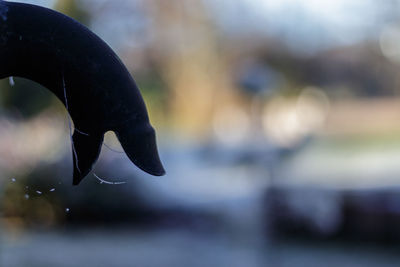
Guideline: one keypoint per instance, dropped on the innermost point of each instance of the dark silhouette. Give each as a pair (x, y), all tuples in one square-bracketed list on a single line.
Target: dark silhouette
[(86, 75)]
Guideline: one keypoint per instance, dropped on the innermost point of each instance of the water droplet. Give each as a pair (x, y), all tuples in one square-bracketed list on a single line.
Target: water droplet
[(13, 180), (52, 190), (38, 192), (26, 196), (67, 210)]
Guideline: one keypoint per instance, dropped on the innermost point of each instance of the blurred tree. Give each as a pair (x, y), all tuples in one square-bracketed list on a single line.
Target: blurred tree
[(74, 10), (186, 51)]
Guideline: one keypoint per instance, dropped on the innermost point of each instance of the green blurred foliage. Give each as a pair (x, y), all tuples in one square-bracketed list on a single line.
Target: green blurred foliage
[(25, 99), (74, 10)]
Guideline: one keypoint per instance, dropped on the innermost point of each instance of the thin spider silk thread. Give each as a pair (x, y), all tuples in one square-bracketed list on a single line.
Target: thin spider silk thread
[(80, 132), (104, 144), (112, 149), (70, 124), (102, 181), (72, 141)]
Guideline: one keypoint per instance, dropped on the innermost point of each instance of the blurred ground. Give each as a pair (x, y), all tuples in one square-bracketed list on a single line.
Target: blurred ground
[(173, 247)]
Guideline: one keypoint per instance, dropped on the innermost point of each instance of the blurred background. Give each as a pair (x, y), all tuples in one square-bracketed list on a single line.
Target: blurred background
[(278, 123)]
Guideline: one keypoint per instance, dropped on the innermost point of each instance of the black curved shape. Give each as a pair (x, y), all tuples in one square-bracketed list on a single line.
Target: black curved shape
[(86, 75)]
